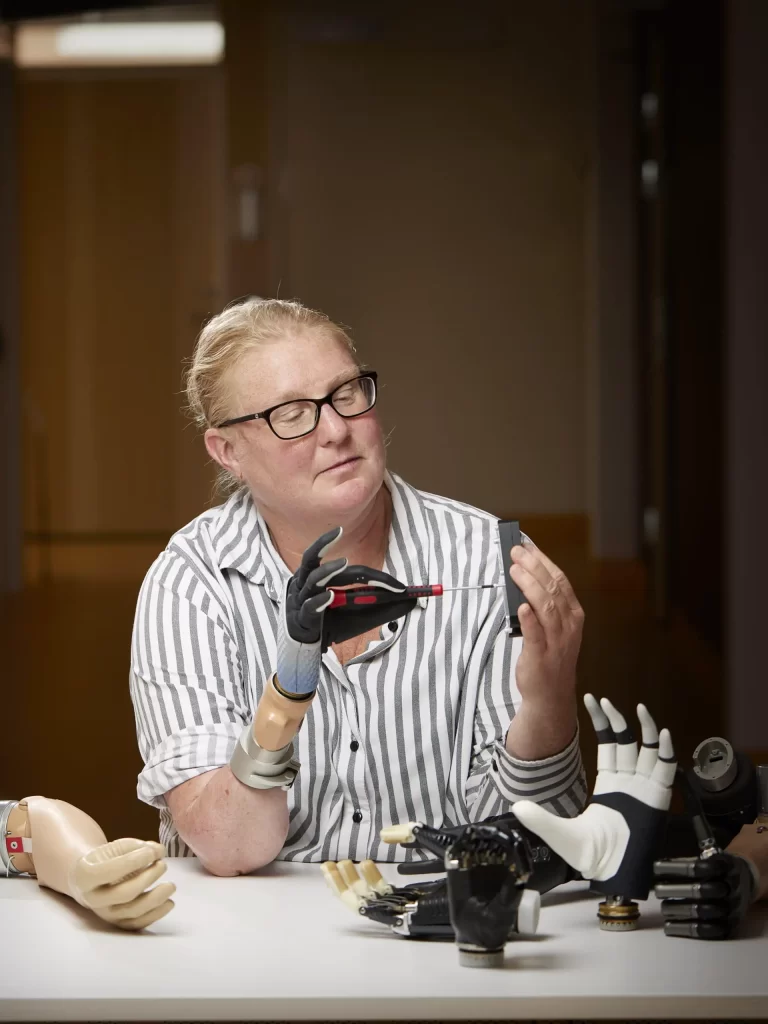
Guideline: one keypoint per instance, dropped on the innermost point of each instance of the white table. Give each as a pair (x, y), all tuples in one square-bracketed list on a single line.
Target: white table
[(279, 946)]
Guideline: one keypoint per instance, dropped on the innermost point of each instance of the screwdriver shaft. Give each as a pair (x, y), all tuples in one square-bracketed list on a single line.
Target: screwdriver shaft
[(477, 586)]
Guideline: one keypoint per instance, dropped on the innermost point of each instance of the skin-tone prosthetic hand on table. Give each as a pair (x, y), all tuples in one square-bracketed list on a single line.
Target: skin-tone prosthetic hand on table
[(67, 851)]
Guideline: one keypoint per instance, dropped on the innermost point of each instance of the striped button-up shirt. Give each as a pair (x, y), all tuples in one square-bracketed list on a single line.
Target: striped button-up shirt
[(412, 729)]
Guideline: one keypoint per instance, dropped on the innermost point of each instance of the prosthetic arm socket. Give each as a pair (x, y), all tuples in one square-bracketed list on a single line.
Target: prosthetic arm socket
[(62, 835), (263, 757)]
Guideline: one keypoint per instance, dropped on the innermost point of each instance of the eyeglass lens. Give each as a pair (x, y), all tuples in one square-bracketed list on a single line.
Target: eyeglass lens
[(296, 418)]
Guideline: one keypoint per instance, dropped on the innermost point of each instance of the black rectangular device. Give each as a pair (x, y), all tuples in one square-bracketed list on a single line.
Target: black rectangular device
[(509, 537)]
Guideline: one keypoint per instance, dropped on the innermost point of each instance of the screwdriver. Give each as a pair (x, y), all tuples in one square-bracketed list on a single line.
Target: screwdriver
[(377, 595)]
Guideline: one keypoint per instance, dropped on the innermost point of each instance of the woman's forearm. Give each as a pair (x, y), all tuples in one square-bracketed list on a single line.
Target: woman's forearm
[(753, 846), (539, 731), (232, 828)]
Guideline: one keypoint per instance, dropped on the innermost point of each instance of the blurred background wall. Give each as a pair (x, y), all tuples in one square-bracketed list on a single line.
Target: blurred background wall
[(541, 222)]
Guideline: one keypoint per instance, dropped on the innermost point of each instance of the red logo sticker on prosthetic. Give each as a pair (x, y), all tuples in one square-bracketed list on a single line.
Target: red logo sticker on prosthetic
[(18, 844)]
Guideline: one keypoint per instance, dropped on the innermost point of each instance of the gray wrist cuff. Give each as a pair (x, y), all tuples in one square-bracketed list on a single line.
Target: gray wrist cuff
[(263, 769), (6, 861)]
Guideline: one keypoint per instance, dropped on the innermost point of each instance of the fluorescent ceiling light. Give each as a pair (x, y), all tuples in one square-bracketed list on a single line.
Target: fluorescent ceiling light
[(120, 43)]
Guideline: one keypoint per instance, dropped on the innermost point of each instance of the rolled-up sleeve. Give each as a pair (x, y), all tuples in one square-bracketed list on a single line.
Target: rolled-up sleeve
[(185, 679), (496, 778)]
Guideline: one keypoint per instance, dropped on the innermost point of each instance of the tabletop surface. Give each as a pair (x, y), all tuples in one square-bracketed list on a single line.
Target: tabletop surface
[(278, 946)]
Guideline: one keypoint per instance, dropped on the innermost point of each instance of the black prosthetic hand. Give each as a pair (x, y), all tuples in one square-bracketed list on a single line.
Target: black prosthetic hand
[(487, 871), (341, 624), (549, 868), (704, 897), (308, 625)]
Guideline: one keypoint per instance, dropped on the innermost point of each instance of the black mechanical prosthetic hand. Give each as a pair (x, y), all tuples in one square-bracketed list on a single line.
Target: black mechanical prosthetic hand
[(613, 843), (416, 911), (488, 869), (307, 625), (704, 897), (488, 894), (549, 868)]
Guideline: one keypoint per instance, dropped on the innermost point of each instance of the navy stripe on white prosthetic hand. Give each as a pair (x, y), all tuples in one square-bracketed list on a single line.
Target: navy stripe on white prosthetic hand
[(614, 841), (299, 633)]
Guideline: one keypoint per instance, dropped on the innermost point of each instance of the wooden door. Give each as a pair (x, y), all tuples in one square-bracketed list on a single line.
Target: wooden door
[(120, 188)]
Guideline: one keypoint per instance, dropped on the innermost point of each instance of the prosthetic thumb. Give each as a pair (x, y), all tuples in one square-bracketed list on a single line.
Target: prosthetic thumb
[(563, 835), (114, 880)]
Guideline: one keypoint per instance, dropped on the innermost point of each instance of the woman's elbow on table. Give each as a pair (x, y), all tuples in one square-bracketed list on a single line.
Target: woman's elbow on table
[(229, 866), (228, 836)]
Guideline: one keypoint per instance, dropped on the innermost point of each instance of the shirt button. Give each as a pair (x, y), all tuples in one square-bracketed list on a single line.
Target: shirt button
[(357, 817), (393, 626), (354, 745)]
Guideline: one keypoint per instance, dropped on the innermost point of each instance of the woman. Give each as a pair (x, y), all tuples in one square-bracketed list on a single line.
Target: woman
[(438, 717)]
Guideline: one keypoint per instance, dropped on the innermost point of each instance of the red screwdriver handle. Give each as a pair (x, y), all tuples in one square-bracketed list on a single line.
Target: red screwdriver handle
[(361, 596), (355, 596), (430, 590)]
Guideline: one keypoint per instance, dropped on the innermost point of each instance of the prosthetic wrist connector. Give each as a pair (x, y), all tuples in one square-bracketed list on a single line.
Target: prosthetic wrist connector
[(9, 845), (264, 755)]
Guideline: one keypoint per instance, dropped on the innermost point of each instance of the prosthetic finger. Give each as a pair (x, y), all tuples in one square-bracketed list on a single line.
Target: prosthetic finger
[(626, 747), (320, 577), (664, 769), (126, 890), (606, 740), (649, 751), (138, 908), (308, 615), (369, 577), (399, 833), (120, 846), (115, 861), (358, 885), (136, 924), (376, 881), (311, 557), (337, 885)]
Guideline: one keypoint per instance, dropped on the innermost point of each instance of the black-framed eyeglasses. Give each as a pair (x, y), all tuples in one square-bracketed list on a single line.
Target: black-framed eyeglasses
[(290, 420)]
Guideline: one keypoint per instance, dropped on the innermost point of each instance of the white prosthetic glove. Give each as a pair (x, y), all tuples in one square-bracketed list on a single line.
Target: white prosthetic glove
[(614, 842), (114, 882)]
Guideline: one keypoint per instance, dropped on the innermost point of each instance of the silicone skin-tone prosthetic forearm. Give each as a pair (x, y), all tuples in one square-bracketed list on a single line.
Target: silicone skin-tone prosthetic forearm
[(70, 853), (263, 757)]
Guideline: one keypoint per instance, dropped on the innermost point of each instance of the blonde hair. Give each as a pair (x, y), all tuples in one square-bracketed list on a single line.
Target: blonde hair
[(242, 326)]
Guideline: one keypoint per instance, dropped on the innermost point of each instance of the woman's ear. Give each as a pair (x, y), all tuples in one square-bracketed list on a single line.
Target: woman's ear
[(222, 450)]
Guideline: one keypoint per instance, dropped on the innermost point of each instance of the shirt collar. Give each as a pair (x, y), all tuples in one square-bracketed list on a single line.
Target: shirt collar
[(241, 540)]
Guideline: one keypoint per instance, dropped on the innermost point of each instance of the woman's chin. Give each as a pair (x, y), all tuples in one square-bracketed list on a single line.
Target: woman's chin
[(346, 496)]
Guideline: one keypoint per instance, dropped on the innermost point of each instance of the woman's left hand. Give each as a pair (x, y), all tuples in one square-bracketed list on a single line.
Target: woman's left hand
[(551, 621)]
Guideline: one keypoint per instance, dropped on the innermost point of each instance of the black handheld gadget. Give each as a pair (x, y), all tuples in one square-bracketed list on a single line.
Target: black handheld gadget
[(509, 537)]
